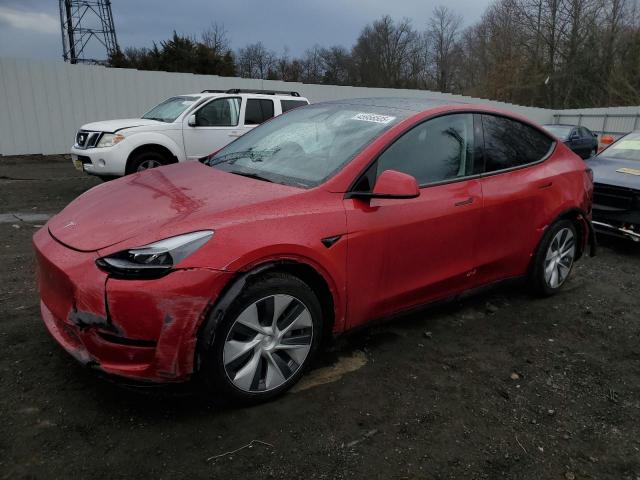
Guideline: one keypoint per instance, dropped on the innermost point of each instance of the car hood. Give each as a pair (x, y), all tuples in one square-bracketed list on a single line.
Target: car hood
[(120, 124), (160, 203), (606, 171)]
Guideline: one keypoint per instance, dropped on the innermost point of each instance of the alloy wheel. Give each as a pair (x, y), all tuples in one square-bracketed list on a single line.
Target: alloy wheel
[(268, 343), (147, 164), (559, 258)]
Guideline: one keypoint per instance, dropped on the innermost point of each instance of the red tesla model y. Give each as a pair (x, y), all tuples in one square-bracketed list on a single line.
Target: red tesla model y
[(233, 270)]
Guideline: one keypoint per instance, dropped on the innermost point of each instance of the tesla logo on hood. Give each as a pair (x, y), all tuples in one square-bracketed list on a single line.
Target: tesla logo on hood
[(70, 224)]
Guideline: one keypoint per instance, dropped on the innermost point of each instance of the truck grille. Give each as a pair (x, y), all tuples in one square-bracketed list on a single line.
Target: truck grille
[(611, 198), (87, 139)]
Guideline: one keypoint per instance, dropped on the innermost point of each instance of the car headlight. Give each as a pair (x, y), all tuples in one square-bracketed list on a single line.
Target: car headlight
[(155, 259), (109, 140)]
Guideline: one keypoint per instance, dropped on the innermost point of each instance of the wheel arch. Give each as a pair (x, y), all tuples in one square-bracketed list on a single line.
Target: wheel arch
[(300, 269), (151, 147), (583, 227)]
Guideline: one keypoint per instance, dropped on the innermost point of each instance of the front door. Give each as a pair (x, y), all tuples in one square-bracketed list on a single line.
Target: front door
[(406, 252), (216, 125)]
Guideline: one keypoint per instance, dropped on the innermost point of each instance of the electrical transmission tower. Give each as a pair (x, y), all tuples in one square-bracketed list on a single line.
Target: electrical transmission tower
[(87, 29)]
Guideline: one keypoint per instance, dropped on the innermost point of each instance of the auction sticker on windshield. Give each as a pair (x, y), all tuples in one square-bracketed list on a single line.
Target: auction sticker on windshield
[(373, 117)]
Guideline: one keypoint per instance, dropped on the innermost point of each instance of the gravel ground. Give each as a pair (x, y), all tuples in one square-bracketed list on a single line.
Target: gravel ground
[(499, 385)]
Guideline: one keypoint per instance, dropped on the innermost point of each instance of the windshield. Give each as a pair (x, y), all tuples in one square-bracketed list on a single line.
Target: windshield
[(627, 148), (170, 109), (560, 131), (305, 146)]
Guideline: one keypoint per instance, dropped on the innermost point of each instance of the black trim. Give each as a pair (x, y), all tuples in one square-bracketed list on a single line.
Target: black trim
[(368, 195), (330, 241), (263, 92), (132, 342)]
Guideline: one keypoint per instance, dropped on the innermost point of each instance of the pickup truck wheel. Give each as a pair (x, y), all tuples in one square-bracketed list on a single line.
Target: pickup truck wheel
[(146, 160)]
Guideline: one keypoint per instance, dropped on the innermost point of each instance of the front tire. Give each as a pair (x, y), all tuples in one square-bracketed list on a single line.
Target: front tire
[(146, 160), (264, 342), (554, 258)]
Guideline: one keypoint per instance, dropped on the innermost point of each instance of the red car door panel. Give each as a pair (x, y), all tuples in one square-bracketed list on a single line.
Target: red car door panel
[(407, 252), (516, 190)]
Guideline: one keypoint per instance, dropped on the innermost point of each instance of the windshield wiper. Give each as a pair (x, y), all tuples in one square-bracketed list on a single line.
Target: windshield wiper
[(251, 154), (251, 175), (155, 118)]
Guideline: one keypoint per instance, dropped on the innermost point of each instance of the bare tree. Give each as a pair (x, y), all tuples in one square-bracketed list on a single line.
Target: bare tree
[(443, 33), (382, 52), (216, 38), (255, 61)]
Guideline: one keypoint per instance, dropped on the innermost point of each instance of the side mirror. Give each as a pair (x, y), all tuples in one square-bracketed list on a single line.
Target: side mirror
[(392, 184), (191, 121)]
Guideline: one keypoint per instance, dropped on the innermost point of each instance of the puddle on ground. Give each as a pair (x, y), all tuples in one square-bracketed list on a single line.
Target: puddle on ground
[(332, 373)]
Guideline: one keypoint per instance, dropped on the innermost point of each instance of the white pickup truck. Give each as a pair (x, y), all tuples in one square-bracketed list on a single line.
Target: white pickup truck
[(185, 127)]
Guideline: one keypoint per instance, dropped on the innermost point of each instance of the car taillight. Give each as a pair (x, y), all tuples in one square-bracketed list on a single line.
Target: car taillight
[(605, 141)]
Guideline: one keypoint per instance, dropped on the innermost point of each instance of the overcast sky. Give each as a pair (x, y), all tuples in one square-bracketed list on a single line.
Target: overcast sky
[(31, 28)]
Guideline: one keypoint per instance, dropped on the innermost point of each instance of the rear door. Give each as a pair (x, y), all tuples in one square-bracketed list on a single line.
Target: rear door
[(217, 124), (516, 188), (405, 252)]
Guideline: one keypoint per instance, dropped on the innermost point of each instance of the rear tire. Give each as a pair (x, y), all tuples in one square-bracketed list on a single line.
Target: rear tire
[(554, 258), (264, 342), (146, 160)]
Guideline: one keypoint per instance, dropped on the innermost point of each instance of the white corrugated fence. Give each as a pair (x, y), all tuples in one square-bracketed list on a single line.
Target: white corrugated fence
[(43, 103)]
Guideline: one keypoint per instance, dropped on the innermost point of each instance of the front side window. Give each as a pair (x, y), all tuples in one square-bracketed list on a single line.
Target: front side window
[(170, 109), (509, 143), (308, 145), (222, 112), (258, 110), (437, 150)]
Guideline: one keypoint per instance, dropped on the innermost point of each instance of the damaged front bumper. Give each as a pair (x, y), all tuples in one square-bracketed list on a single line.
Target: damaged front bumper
[(624, 230), (139, 329), (616, 211)]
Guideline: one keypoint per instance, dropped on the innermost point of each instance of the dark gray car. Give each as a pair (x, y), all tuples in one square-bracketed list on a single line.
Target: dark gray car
[(616, 175), (579, 139)]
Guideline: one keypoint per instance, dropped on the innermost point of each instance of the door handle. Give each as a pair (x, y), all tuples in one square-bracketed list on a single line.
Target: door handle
[(545, 185), (235, 134), (462, 203)]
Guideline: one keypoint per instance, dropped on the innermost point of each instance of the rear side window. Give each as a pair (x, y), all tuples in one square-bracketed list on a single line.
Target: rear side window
[(437, 150), (258, 110), (509, 143), (585, 133), (291, 104)]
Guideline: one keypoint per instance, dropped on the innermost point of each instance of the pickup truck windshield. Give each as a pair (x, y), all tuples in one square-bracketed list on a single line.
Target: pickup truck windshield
[(170, 109), (306, 146)]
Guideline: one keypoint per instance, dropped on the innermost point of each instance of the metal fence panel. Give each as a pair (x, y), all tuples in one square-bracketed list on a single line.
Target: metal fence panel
[(43, 103)]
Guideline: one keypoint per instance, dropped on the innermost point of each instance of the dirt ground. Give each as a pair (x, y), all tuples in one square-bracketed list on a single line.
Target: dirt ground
[(499, 385)]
